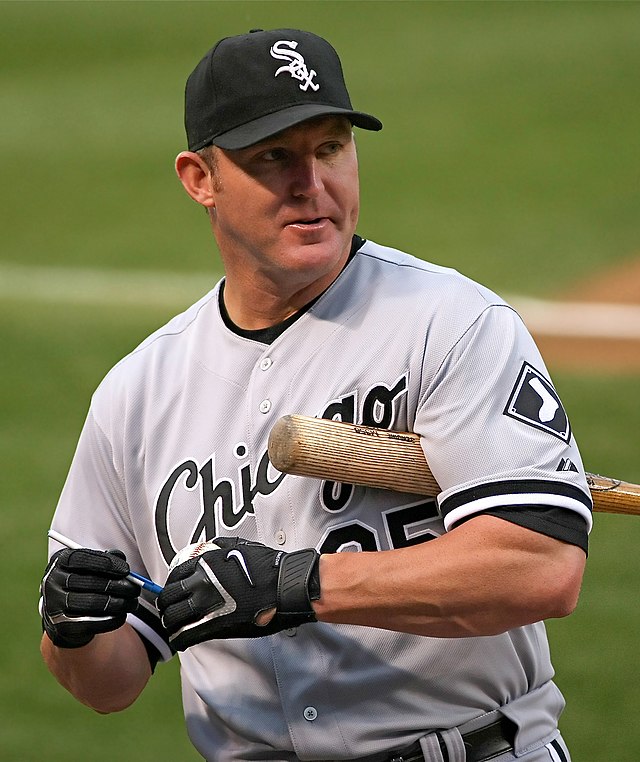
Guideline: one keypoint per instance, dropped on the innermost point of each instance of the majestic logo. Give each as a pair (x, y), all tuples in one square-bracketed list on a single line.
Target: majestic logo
[(285, 50), (535, 402)]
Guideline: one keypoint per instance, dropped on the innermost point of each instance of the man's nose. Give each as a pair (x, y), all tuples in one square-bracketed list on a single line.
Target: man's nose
[(306, 178)]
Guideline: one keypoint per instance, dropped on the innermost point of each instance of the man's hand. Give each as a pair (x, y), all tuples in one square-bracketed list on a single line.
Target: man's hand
[(228, 593), (83, 593)]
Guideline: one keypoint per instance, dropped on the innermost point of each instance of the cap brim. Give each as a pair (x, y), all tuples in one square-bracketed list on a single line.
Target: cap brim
[(259, 129)]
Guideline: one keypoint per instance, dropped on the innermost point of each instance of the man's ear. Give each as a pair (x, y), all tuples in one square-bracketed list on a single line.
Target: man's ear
[(195, 176)]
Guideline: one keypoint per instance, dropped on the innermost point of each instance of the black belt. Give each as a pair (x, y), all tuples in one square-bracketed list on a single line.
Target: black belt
[(481, 745)]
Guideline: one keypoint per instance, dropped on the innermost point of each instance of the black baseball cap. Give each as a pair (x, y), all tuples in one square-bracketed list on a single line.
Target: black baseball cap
[(252, 86)]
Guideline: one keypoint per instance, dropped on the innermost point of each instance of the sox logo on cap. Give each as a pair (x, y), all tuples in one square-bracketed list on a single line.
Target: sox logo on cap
[(297, 66)]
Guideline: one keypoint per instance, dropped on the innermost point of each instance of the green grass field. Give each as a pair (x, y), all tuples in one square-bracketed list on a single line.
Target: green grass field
[(510, 151)]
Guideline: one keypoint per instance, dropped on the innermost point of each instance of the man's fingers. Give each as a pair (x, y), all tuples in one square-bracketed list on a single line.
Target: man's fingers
[(85, 592), (99, 605), (97, 561), (120, 588), (186, 600)]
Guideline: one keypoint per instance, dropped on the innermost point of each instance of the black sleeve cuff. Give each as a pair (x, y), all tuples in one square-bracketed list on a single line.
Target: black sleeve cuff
[(564, 525)]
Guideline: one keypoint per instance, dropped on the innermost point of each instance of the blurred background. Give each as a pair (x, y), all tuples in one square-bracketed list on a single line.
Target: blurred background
[(510, 152)]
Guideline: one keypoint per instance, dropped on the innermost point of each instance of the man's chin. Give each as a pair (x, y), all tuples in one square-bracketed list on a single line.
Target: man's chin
[(325, 254)]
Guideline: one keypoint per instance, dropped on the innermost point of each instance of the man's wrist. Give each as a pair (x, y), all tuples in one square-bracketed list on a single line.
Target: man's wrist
[(298, 585), (61, 642)]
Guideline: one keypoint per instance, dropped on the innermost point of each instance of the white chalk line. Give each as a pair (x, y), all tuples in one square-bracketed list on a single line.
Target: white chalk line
[(75, 285), (579, 319), (139, 288)]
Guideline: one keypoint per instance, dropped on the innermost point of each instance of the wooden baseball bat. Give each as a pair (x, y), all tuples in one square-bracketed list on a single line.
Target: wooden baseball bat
[(372, 457)]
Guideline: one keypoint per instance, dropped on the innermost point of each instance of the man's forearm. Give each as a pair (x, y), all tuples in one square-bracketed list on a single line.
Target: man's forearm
[(106, 675), (483, 578)]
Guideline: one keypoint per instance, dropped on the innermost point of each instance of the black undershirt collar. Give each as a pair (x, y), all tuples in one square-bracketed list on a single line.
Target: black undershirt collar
[(270, 334)]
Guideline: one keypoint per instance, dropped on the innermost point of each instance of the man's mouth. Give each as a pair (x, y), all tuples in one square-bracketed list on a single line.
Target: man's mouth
[(309, 222)]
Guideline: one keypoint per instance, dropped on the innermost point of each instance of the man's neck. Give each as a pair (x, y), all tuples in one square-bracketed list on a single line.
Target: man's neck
[(255, 306)]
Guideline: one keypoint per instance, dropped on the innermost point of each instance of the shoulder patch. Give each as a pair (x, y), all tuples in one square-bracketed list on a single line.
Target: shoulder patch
[(534, 401)]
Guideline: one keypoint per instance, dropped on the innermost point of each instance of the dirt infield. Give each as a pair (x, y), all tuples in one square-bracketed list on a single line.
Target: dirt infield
[(620, 285)]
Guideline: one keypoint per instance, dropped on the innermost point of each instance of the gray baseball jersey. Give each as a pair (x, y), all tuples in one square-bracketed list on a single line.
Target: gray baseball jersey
[(174, 450)]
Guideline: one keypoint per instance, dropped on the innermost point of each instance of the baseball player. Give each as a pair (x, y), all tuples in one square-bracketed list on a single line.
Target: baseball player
[(327, 621)]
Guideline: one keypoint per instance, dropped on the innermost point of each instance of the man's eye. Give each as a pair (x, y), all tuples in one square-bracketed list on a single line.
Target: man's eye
[(275, 154), (330, 148)]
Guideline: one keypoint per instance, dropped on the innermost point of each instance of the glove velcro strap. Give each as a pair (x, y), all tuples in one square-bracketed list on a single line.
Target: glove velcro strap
[(61, 642), (297, 576), (48, 626)]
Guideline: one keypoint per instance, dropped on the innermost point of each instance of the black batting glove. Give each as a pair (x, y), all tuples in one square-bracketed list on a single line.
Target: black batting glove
[(83, 593), (221, 593)]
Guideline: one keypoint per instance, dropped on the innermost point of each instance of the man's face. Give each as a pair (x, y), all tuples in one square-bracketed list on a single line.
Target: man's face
[(286, 208)]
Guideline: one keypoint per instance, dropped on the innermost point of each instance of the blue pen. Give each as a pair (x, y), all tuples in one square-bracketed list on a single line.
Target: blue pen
[(145, 583)]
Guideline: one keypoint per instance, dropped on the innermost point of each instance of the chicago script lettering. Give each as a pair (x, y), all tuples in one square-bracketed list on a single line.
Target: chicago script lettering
[(219, 506)]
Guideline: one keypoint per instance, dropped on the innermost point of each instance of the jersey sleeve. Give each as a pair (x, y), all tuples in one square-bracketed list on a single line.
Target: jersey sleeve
[(496, 434), (93, 510)]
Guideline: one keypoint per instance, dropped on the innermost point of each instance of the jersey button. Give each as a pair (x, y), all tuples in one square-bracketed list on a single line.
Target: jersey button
[(291, 632), (265, 406), (266, 363), (281, 537), (310, 713)]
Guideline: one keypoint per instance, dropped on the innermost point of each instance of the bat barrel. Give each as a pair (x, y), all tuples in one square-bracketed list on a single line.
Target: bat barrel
[(346, 452)]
